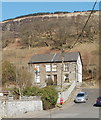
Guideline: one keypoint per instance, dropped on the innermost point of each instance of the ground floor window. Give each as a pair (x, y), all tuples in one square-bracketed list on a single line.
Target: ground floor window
[(37, 78), (66, 78), (48, 76)]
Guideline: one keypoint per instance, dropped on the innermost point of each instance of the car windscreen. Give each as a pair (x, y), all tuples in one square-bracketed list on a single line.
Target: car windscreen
[(99, 98), (80, 95)]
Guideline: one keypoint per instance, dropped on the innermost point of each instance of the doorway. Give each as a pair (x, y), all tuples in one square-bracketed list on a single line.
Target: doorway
[(55, 79)]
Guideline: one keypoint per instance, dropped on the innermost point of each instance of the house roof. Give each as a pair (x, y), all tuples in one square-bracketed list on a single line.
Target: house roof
[(54, 57)]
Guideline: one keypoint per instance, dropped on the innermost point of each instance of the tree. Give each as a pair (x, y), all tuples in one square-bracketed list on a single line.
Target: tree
[(20, 76), (8, 72), (23, 78)]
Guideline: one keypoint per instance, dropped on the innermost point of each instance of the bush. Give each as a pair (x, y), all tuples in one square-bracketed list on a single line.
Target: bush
[(8, 72), (15, 92), (31, 91), (49, 97)]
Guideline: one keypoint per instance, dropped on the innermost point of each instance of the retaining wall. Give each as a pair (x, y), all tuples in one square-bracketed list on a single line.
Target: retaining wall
[(65, 94), (15, 107)]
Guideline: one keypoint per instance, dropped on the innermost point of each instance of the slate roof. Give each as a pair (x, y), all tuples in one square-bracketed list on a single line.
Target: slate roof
[(54, 57)]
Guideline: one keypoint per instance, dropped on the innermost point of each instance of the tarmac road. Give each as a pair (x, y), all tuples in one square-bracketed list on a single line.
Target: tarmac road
[(71, 109)]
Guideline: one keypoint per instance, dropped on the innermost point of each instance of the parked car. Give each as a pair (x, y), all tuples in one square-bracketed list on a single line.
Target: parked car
[(98, 101), (81, 97)]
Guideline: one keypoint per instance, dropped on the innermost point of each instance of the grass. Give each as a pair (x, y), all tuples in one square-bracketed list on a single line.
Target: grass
[(89, 53)]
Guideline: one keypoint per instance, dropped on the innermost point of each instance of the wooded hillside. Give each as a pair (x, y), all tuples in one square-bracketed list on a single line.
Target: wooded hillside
[(51, 30)]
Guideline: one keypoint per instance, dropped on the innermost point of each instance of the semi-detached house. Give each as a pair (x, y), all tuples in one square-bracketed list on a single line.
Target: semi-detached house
[(46, 66)]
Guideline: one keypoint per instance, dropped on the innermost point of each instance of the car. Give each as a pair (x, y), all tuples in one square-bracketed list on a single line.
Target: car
[(98, 102), (81, 97)]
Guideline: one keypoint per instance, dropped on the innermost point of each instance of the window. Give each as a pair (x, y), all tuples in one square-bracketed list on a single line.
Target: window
[(66, 78), (54, 67), (48, 76), (37, 68), (48, 68), (37, 74), (66, 67), (37, 79)]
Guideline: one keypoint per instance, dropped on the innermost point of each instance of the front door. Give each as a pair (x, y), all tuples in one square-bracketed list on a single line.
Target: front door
[(55, 79)]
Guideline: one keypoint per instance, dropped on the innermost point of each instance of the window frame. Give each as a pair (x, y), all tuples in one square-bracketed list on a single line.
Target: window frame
[(37, 78), (48, 68), (66, 67), (54, 67)]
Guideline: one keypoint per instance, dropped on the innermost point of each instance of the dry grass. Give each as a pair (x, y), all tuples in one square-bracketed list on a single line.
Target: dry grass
[(20, 57), (89, 53)]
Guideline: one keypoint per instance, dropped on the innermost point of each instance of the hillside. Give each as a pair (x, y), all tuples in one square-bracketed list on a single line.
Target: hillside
[(26, 36), (51, 30)]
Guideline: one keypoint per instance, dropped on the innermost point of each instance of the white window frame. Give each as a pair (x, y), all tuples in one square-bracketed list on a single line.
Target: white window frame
[(37, 78), (54, 67), (48, 68), (66, 67)]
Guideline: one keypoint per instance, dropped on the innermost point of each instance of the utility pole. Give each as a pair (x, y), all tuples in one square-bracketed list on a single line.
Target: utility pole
[(62, 56), (62, 69)]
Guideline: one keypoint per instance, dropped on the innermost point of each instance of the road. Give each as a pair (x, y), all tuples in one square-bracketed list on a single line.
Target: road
[(71, 109)]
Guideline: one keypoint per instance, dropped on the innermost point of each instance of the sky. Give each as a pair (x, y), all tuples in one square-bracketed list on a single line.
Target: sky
[(14, 9)]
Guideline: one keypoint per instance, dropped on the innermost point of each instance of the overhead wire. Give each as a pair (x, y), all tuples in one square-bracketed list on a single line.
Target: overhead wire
[(84, 26)]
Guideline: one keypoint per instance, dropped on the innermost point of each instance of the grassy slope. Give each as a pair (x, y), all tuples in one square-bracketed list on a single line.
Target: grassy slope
[(89, 53)]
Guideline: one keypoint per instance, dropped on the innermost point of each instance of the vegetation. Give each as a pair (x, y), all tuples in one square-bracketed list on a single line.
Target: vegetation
[(15, 92), (8, 72), (14, 75), (53, 32), (31, 91), (23, 85), (45, 31), (48, 95)]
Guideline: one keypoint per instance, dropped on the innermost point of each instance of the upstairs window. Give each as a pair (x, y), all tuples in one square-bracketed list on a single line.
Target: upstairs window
[(66, 67), (48, 68), (37, 69), (54, 67)]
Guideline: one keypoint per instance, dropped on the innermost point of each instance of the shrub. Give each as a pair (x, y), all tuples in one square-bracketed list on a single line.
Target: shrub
[(8, 72), (15, 92), (31, 91), (49, 97)]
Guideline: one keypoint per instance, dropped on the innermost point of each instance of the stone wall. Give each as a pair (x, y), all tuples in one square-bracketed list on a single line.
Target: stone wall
[(15, 107), (43, 73)]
